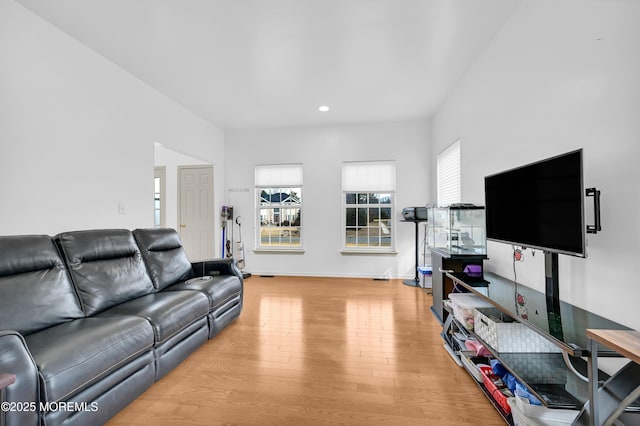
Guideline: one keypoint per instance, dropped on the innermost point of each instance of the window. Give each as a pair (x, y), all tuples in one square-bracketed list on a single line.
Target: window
[(159, 197), (448, 175), (279, 206), (368, 192)]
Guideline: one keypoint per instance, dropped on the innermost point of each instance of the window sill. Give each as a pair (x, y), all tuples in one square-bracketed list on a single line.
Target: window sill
[(374, 252), (278, 251)]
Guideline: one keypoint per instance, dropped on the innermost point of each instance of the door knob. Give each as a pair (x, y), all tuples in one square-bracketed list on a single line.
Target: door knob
[(183, 225)]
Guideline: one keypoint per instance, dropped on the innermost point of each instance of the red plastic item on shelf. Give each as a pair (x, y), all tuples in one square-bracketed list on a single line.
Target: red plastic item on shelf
[(489, 379)]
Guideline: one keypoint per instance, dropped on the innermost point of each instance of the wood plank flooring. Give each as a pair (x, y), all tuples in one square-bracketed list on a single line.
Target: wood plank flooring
[(320, 351)]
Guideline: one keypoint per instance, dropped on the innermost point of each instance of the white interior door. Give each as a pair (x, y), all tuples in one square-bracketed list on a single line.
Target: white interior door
[(196, 211)]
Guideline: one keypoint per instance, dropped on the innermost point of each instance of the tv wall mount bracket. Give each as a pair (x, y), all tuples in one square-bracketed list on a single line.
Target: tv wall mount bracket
[(595, 228)]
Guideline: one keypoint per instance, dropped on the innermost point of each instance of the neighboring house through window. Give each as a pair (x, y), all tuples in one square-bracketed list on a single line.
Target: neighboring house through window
[(279, 206), (368, 198)]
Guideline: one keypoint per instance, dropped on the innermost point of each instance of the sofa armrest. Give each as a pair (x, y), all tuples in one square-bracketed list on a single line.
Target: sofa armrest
[(216, 267), (16, 358)]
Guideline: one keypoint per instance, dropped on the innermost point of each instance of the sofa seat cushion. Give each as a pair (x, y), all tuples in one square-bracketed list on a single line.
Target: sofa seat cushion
[(219, 289), (74, 355), (168, 313)]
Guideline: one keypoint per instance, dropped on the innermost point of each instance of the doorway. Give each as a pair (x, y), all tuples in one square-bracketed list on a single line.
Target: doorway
[(196, 211)]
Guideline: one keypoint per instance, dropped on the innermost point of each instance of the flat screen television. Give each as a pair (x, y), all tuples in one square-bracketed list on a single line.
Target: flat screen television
[(539, 205)]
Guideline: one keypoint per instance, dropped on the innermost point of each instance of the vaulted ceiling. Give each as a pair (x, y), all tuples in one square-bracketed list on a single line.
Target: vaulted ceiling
[(265, 63)]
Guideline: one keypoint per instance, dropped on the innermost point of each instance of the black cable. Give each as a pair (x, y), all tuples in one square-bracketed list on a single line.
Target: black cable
[(513, 261), (515, 278)]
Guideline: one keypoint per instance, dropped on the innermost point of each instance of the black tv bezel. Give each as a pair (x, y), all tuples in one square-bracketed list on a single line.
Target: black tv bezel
[(583, 253)]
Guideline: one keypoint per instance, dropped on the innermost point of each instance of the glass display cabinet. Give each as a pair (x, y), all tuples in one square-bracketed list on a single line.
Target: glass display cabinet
[(457, 240), (459, 229)]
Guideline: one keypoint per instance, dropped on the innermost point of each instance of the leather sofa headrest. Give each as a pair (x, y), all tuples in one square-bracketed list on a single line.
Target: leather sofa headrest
[(27, 253), (158, 239), (89, 246)]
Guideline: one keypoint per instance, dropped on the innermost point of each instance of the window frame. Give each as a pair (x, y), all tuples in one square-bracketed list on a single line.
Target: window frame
[(368, 206), (160, 199), (290, 178), (368, 185)]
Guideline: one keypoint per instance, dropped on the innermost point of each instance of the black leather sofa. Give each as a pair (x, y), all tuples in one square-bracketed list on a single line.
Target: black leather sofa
[(90, 319)]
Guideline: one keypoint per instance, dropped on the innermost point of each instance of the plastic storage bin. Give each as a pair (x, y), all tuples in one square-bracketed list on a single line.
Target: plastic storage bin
[(464, 305), (504, 334), (467, 358), (425, 273), (525, 414), (489, 380)]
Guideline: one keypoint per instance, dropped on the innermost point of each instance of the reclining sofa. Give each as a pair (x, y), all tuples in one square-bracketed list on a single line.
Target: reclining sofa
[(90, 319)]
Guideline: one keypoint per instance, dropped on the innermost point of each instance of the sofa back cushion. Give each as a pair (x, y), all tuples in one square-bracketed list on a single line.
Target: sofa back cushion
[(35, 289), (106, 267), (164, 256)]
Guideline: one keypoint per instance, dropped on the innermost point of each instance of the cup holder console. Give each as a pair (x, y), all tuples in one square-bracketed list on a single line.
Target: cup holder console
[(193, 280)]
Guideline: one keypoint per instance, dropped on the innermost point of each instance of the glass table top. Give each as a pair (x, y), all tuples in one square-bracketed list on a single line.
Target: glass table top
[(529, 306)]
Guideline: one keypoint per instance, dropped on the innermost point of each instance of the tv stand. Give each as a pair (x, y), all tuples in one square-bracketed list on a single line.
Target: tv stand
[(552, 294), (566, 327), (443, 263)]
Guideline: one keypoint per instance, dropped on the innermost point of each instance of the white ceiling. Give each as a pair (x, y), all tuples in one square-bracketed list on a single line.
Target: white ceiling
[(265, 63)]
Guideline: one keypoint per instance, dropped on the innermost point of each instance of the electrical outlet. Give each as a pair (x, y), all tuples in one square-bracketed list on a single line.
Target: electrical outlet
[(121, 209)]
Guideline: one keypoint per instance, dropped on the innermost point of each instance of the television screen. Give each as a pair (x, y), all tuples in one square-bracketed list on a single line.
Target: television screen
[(539, 205)]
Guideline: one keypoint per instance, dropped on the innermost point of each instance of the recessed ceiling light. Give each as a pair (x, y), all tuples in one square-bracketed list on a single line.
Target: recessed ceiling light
[(323, 108)]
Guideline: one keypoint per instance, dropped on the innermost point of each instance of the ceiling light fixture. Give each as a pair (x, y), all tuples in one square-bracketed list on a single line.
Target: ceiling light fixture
[(323, 108)]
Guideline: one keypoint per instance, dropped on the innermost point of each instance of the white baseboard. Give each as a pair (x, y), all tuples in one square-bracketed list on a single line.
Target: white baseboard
[(325, 275)]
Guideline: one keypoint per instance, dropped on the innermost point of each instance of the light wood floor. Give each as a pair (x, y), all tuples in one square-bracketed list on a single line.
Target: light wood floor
[(320, 351)]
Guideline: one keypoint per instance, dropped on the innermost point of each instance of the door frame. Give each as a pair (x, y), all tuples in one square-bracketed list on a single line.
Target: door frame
[(213, 196)]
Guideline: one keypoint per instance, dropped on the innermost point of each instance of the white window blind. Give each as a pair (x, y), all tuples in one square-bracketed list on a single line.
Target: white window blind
[(376, 176), (448, 175), (273, 175)]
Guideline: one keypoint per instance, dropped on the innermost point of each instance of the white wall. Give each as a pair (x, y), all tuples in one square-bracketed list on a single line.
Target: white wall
[(559, 76), (171, 160), (322, 150), (77, 133)]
